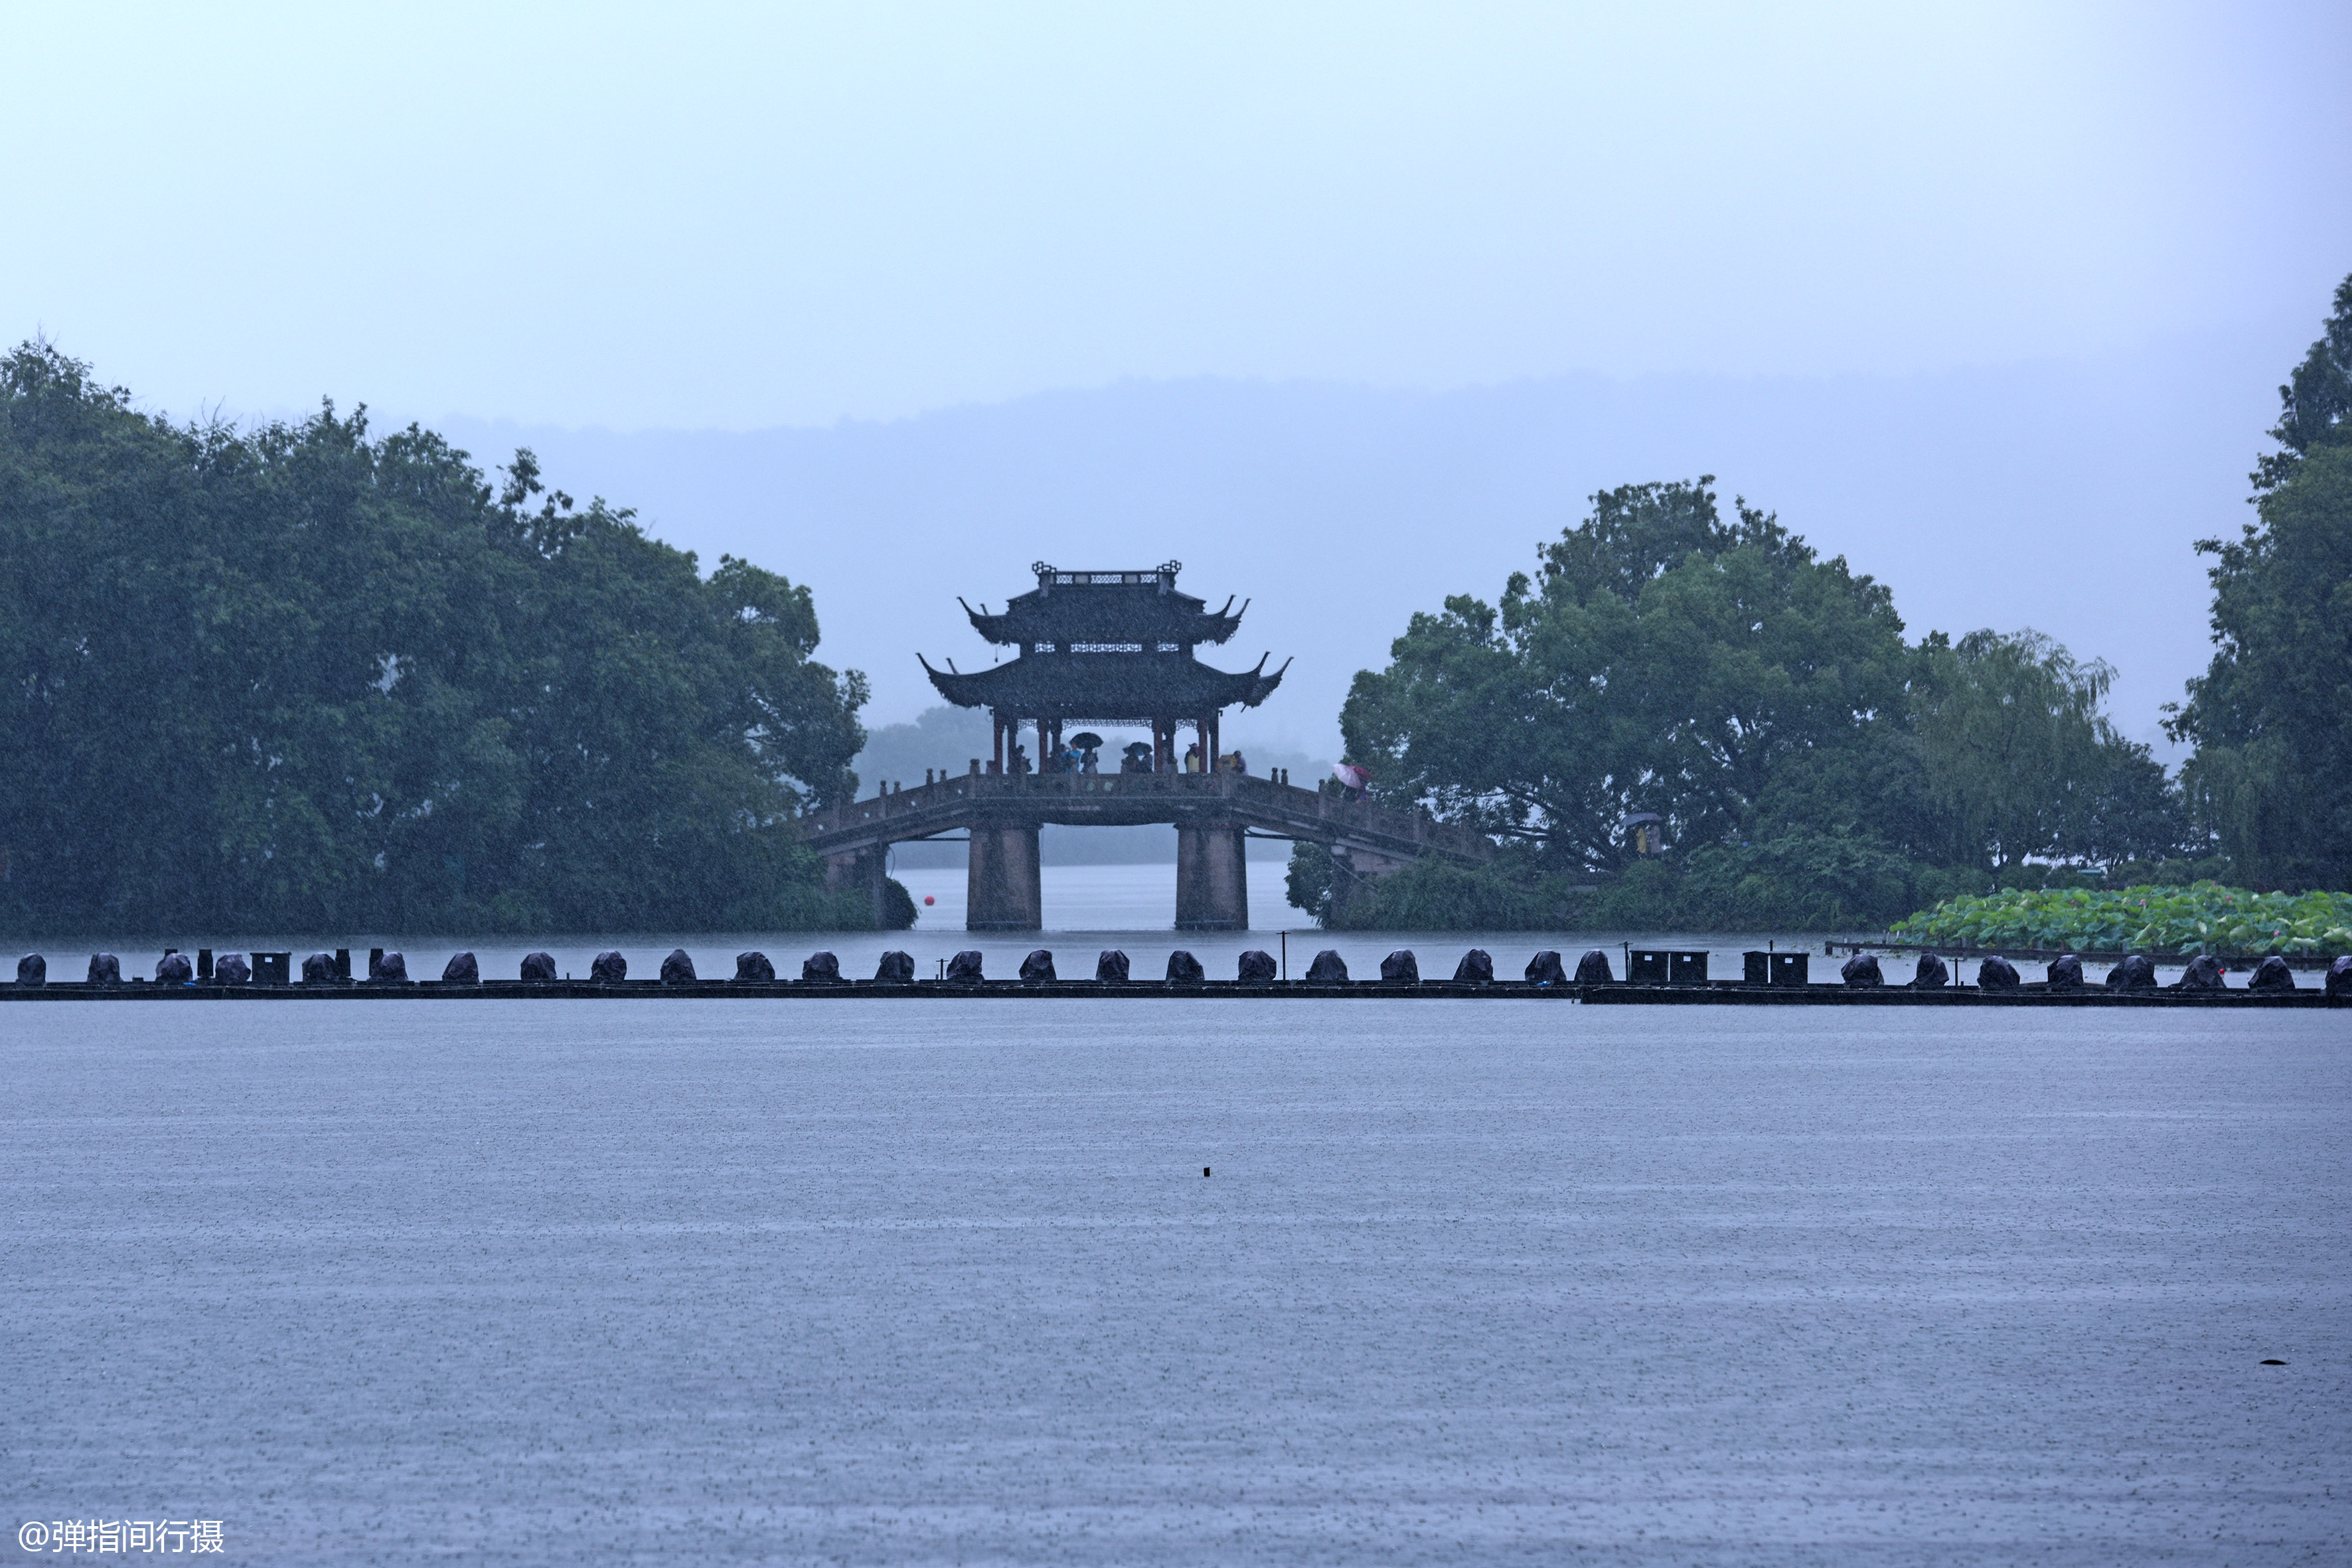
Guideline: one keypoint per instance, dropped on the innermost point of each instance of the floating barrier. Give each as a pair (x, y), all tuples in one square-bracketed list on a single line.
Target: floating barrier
[(1654, 978)]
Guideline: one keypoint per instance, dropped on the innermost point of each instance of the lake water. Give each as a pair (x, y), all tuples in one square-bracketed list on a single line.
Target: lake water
[(1096, 897), (704, 1281)]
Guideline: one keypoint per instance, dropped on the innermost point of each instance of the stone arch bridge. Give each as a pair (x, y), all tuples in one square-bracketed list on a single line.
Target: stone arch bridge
[(1213, 815)]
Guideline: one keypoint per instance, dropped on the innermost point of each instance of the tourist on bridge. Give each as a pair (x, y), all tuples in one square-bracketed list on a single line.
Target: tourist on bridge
[(1137, 758), (1192, 758)]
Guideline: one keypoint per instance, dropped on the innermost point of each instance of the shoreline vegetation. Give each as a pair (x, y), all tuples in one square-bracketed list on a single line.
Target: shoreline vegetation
[(1683, 719), (1799, 881), (303, 676), (2205, 917)]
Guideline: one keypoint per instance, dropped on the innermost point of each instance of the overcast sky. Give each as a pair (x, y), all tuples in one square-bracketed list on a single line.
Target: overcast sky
[(737, 217)]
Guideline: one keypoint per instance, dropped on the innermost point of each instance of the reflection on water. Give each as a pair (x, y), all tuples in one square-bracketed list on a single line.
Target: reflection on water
[(1096, 898)]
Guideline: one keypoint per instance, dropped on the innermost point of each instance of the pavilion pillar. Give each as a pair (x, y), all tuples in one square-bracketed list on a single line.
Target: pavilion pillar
[(1000, 888), (1212, 877)]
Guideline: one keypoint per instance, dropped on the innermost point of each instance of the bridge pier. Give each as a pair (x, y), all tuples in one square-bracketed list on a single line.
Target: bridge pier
[(1211, 812), (868, 871), (1001, 889), (1212, 877), (1354, 872)]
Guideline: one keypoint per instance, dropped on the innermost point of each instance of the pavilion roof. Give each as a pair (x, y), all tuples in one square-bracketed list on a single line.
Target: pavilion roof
[(1105, 687), (1106, 607)]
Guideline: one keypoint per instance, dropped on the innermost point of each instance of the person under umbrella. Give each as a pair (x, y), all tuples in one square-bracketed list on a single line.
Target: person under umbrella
[(1084, 745)]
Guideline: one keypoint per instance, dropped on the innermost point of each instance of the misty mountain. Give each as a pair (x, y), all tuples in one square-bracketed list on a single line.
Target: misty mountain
[(2060, 496)]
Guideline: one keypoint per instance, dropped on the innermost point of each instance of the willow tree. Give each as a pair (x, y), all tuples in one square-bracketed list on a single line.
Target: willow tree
[(2021, 759)]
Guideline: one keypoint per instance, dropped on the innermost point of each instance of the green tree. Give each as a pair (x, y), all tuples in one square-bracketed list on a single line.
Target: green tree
[(1814, 768), (1663, 659), (2272, 716), (2021, 761), (2316, 403), (301, 677)]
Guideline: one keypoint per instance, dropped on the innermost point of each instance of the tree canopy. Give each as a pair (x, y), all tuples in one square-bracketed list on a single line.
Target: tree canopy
[(1808, 764), (1762, 701), (1662, 661), (2272, 716), (302, 677), (2020, 760)]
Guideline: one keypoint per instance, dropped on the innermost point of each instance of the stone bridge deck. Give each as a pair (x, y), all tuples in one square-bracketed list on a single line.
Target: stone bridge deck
[(1212, 813)]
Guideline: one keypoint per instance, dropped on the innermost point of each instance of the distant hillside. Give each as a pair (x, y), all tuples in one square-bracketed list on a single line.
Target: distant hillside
[(2063, 497)]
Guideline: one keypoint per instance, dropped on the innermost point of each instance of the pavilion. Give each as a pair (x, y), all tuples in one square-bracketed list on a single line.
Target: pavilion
[(1114, 648), (1105, 647)]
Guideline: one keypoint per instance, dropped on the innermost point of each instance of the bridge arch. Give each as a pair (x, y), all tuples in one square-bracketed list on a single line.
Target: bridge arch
[(1213, 813)]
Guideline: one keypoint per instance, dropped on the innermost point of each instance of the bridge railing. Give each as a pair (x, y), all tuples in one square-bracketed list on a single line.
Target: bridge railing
[(1313, 813)]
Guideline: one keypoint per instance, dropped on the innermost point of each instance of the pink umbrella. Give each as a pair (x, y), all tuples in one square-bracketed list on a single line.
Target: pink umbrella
[(1349, 774)]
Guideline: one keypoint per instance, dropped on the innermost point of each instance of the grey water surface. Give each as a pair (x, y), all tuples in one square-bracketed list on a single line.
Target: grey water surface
[(944, 1282)]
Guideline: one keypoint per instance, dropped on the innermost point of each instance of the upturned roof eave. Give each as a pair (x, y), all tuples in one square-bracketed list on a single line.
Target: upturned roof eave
[(1177, 688), (1015, 630)]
